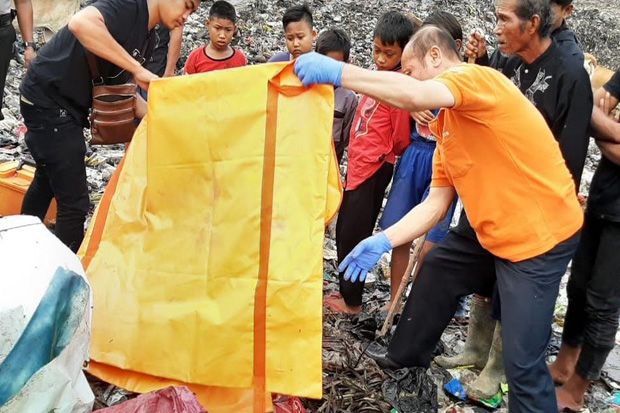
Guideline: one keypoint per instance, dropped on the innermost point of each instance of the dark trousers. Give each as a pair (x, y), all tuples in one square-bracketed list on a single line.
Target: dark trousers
[(356, 220), (7, 43), (56, 142), (528, 289), (594, 296)]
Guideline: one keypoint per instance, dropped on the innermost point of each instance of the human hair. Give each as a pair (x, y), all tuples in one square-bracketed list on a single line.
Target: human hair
[(562, 3), (431, 35), (394, 27), (298, 13), (446, 21), (334, 40), (526, 9), (223, 10)]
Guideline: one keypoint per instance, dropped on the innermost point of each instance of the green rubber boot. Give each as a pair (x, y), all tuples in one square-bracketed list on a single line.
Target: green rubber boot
[(492, 376), (479, 338)]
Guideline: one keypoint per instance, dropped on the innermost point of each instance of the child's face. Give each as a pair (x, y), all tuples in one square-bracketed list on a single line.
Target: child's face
[(221, 32), (299, 38), (336, 55), (386, 56)]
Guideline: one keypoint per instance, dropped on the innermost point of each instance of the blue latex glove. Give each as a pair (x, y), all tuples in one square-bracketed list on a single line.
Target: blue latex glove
[(312, 68), (364, 257)]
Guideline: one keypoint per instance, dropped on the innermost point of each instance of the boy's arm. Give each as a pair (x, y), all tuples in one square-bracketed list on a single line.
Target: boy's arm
[(174, 51), (401, 130)]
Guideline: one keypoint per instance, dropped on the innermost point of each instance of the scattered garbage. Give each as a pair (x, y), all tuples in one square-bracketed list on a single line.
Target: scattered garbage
[(286, 404), (169, 400), (455, 388), (411, 391)]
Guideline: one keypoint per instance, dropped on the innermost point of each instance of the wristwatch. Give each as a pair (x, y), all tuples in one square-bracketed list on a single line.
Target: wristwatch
[(30, 44)]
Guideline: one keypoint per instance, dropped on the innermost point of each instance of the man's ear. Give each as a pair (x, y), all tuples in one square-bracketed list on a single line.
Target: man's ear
[(568, 10), (436, 55), (533, 25), (314, 34)]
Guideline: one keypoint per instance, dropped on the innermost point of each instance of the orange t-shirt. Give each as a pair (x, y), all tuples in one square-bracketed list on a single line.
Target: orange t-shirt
[(496, 150)]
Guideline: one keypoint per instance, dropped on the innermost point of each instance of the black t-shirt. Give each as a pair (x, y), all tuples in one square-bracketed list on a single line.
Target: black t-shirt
[(59, 75), (558, 85), (566, 39), (159, 59), (604, 199)]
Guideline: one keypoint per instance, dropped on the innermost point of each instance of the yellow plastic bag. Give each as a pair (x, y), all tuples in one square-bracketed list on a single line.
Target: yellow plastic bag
[(205, 254)]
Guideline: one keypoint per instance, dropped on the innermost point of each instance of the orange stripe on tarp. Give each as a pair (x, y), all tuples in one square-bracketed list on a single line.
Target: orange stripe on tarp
[(102, 214), (260, 299)]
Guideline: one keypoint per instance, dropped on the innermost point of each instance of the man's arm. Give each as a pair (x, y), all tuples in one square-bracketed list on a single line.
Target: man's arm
[(397, 90), (174, 51), (572, 123), (88, 26), (610, 151), (606, 129), (423, 217), (24, 20)]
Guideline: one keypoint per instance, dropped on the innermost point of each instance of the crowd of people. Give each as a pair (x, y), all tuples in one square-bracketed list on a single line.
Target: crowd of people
[(504, 139)]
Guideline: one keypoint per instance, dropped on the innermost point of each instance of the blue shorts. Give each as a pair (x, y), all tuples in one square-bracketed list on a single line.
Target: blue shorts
[(412, 176), (410, 186)]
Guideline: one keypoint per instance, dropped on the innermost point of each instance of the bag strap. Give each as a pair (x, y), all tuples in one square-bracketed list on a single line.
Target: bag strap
[(93, 67)]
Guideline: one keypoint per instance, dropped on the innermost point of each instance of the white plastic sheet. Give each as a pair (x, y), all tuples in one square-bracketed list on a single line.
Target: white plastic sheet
[(30, 256)]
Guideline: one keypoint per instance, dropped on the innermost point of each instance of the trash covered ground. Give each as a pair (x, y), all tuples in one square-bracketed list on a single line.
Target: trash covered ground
[(352, 382)]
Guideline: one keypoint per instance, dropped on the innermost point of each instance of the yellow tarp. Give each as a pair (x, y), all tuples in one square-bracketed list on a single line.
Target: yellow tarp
[(205, 254)]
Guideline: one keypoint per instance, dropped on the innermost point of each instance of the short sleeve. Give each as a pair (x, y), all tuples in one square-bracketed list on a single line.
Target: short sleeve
[(243, 59), (613, 86), (474, 87), (439, 178), (120, 17), (190, 64)]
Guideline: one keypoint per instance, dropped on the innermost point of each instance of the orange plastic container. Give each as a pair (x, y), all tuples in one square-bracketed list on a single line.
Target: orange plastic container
[(14, 182)]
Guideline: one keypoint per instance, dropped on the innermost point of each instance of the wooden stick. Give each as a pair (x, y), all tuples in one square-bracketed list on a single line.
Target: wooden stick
[(411, 268)]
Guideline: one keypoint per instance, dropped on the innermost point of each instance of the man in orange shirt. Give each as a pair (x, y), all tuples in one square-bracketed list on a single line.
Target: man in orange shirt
[(495, 150)]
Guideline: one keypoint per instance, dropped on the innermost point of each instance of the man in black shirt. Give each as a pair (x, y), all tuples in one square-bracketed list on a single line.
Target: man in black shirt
[(23, 10), (555, 81), (56, 96), (594, 287)]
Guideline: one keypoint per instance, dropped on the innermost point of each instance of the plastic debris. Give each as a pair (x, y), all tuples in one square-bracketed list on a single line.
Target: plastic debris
[(168, 400), (411, 391), (455, 388), (286, 404)]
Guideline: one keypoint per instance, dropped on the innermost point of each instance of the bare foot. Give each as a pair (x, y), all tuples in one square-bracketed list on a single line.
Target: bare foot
[(337, 304), (564, 365)]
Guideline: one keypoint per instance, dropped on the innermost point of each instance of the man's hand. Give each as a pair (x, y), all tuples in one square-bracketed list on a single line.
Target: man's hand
[(143, 78), (424, 117), (476, 46), (364, 257), (606, 105), (29, 55), (313, 68)]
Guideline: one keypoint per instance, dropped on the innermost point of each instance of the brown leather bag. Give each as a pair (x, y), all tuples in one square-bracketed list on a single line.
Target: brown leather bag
[(113, 114), (112, 119)]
